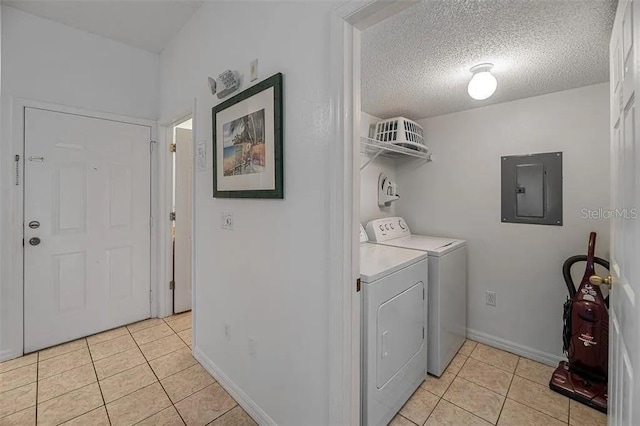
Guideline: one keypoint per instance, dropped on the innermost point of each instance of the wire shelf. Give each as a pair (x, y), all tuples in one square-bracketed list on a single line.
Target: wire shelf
[(377, 148)]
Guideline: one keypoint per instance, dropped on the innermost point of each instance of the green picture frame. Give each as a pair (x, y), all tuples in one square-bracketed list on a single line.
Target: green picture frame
[(248, 156)]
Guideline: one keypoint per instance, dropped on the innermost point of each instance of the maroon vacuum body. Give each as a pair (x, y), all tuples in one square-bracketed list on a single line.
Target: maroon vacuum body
[(586, 337)]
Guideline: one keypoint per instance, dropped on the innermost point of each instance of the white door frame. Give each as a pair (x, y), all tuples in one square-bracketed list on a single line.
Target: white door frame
[(347, 21), (16, 273)]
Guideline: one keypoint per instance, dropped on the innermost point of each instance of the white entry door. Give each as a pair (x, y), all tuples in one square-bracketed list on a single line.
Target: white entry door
[(624, 311), (86, 226), (182, 259)]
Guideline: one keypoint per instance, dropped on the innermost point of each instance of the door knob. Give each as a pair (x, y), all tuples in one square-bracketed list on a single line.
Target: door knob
[(34, 241), (598, 280)]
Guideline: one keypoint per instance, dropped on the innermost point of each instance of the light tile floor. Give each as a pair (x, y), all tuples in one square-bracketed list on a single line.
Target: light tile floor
[(139, 374), (144, 374), (487, 386)]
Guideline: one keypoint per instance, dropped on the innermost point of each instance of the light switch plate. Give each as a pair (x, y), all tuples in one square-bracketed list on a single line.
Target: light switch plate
[(201, 156), (252, 347), (490, 298), (226, 219), (253, 70)]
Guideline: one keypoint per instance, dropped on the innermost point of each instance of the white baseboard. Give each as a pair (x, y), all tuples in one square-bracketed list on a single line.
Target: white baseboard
[(521, 350), (6, 355), (242, 398)]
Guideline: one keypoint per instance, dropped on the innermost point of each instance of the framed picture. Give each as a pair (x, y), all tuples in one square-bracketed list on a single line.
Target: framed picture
[(248, 161)]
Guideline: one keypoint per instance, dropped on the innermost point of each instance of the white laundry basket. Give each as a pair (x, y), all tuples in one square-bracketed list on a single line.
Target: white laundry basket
[(400, 131)]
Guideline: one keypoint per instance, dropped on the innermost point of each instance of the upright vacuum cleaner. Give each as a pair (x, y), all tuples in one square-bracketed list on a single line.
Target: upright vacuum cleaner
[(585, 336)]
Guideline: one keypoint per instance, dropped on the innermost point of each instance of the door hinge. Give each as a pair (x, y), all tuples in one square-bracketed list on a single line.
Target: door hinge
[(422, 293), (172, 147), (358, 285), (150, 295), (172, 216), (422, 333), (150, 221), (172, 285), (151, 143)]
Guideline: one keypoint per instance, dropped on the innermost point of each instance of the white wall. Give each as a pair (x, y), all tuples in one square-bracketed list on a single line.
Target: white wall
[(458, 195), (3, 156), (369, 208), (49, 62), (268, 277)]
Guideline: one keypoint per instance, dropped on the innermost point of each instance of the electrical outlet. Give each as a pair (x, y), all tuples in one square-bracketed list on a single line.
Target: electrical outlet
[(491, 298), (226, 220), (252, 347), (227, 332)]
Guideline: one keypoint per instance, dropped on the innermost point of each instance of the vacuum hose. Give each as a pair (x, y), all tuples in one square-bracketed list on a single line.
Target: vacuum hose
[(566, 271)]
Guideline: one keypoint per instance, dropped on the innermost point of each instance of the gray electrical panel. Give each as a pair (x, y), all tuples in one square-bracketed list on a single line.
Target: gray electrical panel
[(532, 189)]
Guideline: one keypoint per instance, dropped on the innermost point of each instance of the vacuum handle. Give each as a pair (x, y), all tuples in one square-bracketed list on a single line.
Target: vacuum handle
[(566, 270), (592, 249)]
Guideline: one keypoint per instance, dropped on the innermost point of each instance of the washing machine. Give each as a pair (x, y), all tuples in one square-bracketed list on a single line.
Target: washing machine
[(447, 277), (394, 337)]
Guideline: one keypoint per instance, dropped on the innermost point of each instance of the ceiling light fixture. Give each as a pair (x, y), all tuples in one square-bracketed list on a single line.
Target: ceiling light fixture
[(483, 84)]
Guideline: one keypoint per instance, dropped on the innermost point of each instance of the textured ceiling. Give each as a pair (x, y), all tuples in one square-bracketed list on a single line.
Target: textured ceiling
[(145, 24), (416, 63)]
